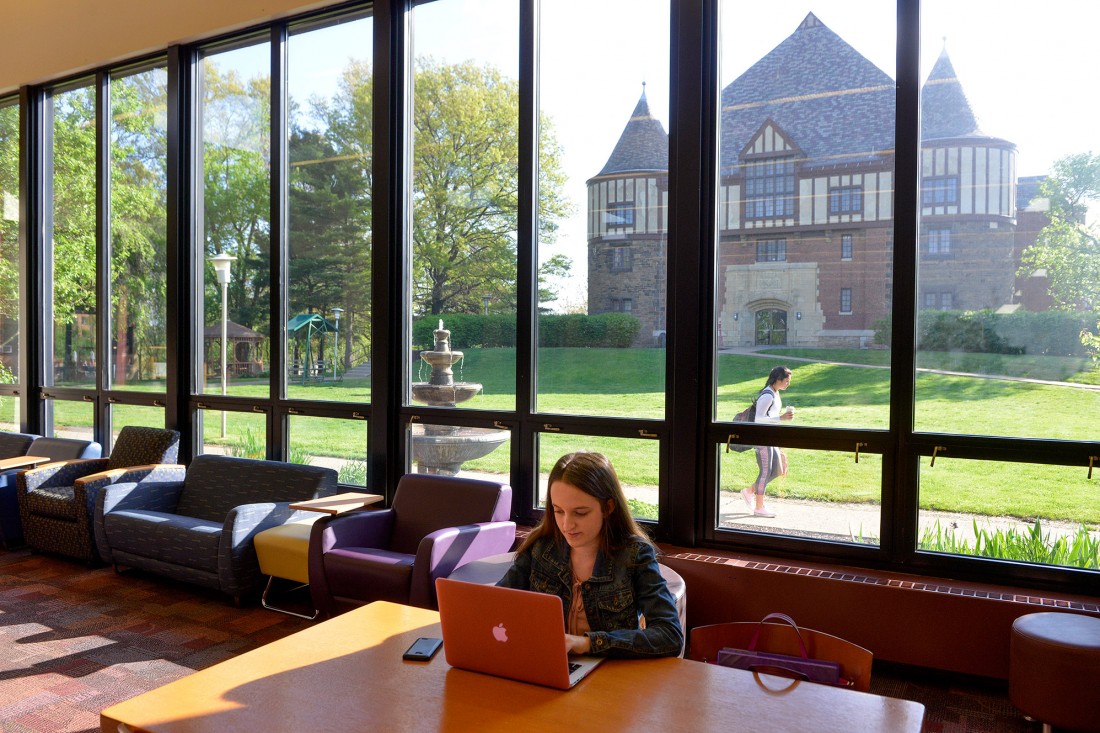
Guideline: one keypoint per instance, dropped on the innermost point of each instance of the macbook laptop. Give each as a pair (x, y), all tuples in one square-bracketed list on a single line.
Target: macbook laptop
[(508, 633)]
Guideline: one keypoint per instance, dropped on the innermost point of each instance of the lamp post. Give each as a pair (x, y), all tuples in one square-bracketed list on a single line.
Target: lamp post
[(222, 262), (336, 347), (485, 300)]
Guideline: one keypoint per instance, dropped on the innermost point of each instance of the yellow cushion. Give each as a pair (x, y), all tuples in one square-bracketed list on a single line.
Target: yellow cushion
[(283, 551)]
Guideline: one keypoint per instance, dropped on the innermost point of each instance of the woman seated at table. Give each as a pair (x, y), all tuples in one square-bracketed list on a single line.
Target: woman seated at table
[(589, 551)]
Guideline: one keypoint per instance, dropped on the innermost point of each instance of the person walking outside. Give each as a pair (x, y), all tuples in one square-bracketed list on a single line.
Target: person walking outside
[(770, 459)]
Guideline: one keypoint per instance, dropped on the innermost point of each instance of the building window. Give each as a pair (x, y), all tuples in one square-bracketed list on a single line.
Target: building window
[(845, 246), (939, 242), (943, 191), (620, 214), (846, 200), (769, 188), (947, 301), (845, 300), (628, 305), (929, 300), (622, 305), (771, 250), (621, 259)]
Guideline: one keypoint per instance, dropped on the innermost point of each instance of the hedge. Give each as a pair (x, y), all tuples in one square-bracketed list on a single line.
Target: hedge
[(1046, 333), (614, 330)]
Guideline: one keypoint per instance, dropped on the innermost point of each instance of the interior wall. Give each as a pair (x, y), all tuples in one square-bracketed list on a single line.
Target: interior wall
[(928, 622), (49, 39)]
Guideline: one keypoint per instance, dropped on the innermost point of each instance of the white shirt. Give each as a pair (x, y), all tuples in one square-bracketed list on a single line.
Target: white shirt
[(769, 406)]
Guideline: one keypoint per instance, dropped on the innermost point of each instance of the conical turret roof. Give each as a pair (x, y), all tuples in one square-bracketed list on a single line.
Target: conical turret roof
[(643, 146), (945, 110)]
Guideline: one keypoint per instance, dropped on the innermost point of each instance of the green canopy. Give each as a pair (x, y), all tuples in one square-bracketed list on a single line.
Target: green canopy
[(305, 326)]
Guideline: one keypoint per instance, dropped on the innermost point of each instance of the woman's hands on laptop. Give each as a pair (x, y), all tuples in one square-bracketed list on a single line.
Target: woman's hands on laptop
[(577, 644)]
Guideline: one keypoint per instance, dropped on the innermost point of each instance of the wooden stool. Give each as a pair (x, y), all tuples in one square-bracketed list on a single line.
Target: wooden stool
[(283, 552), (1054, 669)]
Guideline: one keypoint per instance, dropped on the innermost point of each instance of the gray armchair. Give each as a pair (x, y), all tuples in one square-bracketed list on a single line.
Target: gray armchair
[(197, 525), (56, 449), (56, 500)]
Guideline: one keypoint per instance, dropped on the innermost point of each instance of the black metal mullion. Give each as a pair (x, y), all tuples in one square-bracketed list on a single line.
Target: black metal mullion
[(389, 261), (899, 493), (104, 316), (277, 436), (34, 339), (182, 314), (524, 458), (689, 353)]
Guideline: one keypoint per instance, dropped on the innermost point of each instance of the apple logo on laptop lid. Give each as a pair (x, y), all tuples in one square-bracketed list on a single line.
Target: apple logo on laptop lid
[(500, 633)]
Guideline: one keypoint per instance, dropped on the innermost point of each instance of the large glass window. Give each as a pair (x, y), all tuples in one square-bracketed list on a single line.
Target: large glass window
[(235, 170), (70, 225), (603, 207), (329, 206), (464, 198), (138, 354), (1006, 345), (9, 247), (778, 296)]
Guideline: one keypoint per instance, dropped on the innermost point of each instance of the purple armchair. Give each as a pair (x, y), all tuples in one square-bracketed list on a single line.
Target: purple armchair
[(435, 525)]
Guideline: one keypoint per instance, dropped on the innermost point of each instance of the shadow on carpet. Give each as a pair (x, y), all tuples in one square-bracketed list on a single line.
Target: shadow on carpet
[(74, 640)]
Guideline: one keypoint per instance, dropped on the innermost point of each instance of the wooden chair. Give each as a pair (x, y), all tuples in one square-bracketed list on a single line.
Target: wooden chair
[(855, 661)]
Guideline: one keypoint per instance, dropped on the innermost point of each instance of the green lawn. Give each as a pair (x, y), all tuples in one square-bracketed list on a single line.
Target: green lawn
[(837, 391)]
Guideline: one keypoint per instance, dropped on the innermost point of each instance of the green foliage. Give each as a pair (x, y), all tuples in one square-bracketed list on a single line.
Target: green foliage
[(465, 187), (606, 330), (642, 509), (1049, 333), (1068, 248), (353, 473), (615, 330), (248, 445), (1033, 545)]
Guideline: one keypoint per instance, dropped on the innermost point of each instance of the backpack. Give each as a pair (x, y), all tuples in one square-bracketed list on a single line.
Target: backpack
[(746, 415)]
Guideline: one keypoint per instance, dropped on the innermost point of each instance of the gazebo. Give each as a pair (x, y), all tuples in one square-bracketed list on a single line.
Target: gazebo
[(243, 346), (305, 327)]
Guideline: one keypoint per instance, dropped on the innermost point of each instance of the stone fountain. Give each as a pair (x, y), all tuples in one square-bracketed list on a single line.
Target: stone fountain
[(442, 449)]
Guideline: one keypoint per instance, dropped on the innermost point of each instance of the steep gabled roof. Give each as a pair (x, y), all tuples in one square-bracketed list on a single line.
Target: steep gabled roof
[(945, 110), (834, 104), (643, 146)]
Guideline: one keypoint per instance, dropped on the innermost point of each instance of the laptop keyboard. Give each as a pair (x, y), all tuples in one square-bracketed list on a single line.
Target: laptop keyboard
[(573, 667)]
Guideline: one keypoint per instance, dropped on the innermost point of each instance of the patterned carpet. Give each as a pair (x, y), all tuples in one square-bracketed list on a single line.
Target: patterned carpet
[(75, 640)]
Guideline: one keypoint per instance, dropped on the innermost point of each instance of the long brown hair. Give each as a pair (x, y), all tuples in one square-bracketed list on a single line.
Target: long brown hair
[(593, 474)]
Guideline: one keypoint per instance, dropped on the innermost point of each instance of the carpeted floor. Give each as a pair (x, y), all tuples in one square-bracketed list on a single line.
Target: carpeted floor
[(75, 640)]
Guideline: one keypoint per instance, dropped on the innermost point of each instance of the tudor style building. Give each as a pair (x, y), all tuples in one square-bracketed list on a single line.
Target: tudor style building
[(805, 203)]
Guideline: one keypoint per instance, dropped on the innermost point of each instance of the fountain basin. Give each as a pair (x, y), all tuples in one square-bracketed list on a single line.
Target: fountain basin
[(443, 454), (444, 394)]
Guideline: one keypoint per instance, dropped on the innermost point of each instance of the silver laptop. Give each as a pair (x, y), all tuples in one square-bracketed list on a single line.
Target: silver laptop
[(509, 633)]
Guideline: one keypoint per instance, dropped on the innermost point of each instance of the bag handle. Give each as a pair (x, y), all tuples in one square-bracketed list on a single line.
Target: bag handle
[(782, 617)]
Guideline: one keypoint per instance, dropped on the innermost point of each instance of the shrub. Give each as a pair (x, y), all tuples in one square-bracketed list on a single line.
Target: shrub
[(469, 330)]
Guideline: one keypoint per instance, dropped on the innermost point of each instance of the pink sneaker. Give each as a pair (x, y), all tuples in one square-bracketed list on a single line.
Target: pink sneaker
[(764, 512), (748, 496)]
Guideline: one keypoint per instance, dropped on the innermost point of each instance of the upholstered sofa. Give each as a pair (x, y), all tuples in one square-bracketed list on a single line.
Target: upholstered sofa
[(56, 449), (197, 525)]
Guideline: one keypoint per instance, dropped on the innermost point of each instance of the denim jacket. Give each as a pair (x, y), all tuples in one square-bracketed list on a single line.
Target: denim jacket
[(624, 586)]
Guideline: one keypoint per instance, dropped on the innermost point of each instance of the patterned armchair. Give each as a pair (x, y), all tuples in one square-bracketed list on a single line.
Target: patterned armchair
[(56, 449), (56, 500), (198, 525)]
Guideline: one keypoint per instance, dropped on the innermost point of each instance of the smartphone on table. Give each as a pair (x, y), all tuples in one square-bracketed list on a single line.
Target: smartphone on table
[(422, 649)]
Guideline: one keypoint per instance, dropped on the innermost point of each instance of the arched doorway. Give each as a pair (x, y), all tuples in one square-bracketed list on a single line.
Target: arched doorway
[(771, 327)]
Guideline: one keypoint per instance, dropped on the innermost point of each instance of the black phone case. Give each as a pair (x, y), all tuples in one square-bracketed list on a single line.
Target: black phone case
[(422, 649)]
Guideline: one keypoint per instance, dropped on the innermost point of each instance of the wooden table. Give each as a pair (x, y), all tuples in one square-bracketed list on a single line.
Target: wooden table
[(7, 464), (347, 674), (338, 503)]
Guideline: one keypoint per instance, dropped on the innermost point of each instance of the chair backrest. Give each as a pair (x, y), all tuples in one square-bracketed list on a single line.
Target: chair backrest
[(855, 661), (425, 503), (139, 446), (216, 484), (15, 444), (65, 449)]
